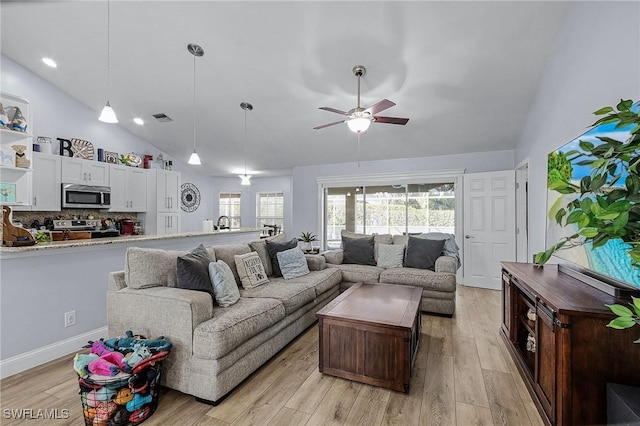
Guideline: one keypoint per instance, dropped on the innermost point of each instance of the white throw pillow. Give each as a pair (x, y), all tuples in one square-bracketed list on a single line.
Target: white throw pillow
[(292, 263), (224, 284), (250, 270), (390, 255)]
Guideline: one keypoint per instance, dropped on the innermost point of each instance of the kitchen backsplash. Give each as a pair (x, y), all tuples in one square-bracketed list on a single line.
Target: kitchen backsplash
[(27, 218)]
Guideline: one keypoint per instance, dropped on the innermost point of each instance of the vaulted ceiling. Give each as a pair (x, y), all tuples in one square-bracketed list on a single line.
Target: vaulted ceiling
[(464, 73)]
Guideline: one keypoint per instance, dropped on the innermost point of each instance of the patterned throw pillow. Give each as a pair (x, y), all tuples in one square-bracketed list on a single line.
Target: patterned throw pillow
[(390, 256), (292, 263), (224, 284), (250, 270)]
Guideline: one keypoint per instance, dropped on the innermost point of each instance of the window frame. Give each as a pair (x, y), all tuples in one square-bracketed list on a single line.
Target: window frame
[(279, 193), (382, 179), (232, 218)]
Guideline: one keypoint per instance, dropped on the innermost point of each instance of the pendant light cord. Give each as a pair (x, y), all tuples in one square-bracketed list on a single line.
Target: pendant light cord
[(245, 142), (194, 103), (108, 50)]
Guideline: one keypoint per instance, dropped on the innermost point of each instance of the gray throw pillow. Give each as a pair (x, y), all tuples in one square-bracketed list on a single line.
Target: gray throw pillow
[(358, 250), (224, 284), (192, 271), (390, 255), (274, 248), (422, 253)]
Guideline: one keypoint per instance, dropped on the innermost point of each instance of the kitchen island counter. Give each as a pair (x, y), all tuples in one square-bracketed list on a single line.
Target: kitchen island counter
[(6, 252)]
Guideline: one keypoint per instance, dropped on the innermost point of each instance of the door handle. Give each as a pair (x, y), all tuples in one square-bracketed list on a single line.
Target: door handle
[(468, 236)]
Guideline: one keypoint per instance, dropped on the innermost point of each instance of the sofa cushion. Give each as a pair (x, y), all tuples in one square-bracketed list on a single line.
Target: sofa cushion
[(192, 271), (274, 248), (224, 284), (292, 263), (232, 326), (358, 250), (292, 295), (321, 281), (400, 239), (423, 278), (227, 252), (422, 253), (145, 267), (260, 247), (355, 273), (390, 256), (250, 270)]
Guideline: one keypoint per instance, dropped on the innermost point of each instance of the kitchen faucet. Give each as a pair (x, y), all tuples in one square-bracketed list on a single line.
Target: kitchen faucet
[(227, 226)]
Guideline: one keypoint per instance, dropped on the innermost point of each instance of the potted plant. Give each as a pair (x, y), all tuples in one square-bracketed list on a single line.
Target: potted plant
[(306, 238), (600, 212)]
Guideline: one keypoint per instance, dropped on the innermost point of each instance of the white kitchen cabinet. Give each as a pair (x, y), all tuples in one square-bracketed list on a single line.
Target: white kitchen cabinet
[(47, 181), (163, 202), (168, 191), (128, 189), (16, 159), (85, 172), (168, 223)]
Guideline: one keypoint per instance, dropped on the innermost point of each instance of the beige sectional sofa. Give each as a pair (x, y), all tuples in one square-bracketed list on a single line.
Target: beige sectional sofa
[(214, 348), (438, 286)]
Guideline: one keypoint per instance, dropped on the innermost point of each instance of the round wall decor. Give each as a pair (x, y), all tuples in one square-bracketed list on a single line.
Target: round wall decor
[(189, 197)]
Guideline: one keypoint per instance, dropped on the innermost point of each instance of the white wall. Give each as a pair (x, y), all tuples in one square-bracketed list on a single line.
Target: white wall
[(596, 62), (305, 186)]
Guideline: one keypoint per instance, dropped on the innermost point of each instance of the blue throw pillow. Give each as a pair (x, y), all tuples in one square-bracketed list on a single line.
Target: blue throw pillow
[(224, 284), (292, 263), (274, 248)]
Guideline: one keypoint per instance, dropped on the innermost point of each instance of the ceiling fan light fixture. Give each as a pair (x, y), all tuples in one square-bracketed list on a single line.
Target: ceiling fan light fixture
[(245, 179), (359, 124), (108, 115)]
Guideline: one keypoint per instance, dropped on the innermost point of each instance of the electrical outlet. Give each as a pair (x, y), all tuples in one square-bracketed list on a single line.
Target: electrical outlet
[(69, 318)]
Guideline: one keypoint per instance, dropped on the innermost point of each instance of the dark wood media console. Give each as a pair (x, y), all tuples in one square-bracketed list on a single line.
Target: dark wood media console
[(575, 354)]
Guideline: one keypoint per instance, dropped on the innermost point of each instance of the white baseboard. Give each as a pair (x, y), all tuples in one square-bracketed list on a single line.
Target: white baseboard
[(27, 360)]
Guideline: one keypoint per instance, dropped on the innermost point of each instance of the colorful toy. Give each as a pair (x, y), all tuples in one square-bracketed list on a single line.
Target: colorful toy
[(98, 347), (124, 395), (98, 395), (81, 363), (89, 413), (127, 343), (138, 401), (139, 415), (160, 356), (109, 364), (105, 409), (121, 418), (139, 353)]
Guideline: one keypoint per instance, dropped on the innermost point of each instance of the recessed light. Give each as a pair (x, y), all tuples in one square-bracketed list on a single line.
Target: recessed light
[(138, 121), (50, 62)]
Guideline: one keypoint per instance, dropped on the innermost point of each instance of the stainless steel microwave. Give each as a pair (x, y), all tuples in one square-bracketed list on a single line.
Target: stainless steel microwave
[(85, 196)]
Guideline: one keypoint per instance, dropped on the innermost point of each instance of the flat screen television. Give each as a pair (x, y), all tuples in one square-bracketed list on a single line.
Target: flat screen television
[(608, 267)]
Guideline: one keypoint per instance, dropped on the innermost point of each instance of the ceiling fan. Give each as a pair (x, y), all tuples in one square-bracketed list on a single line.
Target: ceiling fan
[(358, 119)]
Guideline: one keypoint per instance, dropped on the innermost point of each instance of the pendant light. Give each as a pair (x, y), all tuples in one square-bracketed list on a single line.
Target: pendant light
[(196, 51), (108, 115), (245, 179)]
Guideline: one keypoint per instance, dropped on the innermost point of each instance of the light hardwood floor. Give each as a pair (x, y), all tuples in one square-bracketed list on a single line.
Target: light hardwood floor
[(463, 376)]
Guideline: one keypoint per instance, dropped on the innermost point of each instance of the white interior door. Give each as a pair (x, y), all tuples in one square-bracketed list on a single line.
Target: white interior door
[(489, 226)]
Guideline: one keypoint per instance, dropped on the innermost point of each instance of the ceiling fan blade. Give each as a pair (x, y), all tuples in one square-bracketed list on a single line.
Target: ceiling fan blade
[(380, 106), (330, 124), (390, 120), (337, 111)]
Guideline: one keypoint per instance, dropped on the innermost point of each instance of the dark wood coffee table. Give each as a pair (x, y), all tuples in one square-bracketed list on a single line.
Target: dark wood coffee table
[(370, 334)]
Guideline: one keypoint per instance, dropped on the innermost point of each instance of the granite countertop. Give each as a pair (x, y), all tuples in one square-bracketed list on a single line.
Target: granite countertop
[(119, 240)]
